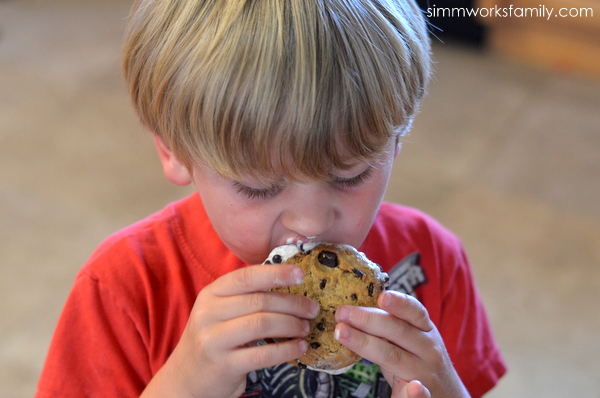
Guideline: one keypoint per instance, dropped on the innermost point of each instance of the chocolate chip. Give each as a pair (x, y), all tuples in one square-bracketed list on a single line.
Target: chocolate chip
[(321, 326), (277, 259), (323, 284), (371, 287), (315, 345), (328, 259), (268, 262), (358, 273), (302, 365), (354, 296)]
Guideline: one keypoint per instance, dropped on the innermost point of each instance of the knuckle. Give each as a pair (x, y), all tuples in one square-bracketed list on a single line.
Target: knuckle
[(421, 313), (359, 340), (415, 312), (422, 317), (361, 316), (242, 279), (409, 304), (258, 323), (393, 356), (202, 348), (261, 358), (403, 329), (257, 302), (438, 354)]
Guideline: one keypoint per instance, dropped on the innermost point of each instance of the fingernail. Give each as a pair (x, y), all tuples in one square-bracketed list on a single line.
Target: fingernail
[(306, 326), (341, 331), (303, 346), (297, 276), (314, 308), (342, 314)]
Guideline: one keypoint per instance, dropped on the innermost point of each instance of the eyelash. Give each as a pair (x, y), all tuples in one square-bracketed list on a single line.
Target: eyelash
[(353, 181), (265, 193), (256, 193)]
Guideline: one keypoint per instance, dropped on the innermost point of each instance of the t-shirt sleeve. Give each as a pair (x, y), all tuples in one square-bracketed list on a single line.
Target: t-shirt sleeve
[(466, 330), (87, 357)]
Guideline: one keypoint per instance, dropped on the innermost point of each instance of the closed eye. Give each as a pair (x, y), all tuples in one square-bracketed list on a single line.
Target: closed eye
[(342, 182), (256, 193)]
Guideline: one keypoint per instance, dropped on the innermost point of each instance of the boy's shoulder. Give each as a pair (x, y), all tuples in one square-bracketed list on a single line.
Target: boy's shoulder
[(157, 230), (410, 224), (173, 240), (401, 233)]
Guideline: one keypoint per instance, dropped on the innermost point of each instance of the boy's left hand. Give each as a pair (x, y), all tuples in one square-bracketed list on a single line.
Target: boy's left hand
[(400, 337)]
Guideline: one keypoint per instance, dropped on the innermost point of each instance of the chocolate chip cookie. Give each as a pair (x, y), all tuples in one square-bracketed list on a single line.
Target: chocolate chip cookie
[(335, 275)]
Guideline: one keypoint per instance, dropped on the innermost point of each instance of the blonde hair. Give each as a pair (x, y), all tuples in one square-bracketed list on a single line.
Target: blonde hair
[(265, 87)]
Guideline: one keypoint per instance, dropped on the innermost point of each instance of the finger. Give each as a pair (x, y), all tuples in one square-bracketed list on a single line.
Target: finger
[(387, 355), (257, 278), (407, 308), (378, 323), (275, 302), (415, 389), (243, 330), (404, 389), (248, 359)]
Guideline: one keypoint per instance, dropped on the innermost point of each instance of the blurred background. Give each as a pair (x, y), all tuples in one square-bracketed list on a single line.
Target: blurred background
[(505, 152)]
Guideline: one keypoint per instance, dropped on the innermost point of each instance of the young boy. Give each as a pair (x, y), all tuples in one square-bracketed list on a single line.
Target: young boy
[(287, 116)]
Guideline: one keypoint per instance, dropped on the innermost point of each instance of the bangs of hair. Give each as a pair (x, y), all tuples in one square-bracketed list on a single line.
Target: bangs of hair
[(271, 87)]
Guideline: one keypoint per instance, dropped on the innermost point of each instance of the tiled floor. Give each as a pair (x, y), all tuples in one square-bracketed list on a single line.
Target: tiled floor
[(506, 156)]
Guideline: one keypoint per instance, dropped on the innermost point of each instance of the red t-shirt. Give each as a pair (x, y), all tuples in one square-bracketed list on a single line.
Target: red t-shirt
[(132, 299)]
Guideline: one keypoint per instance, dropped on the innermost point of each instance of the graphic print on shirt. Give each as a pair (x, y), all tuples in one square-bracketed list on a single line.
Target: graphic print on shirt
[(407, 275), (364, 380)]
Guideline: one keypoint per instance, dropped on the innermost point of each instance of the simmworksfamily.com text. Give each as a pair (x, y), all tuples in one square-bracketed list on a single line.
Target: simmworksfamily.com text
[(541, 11)]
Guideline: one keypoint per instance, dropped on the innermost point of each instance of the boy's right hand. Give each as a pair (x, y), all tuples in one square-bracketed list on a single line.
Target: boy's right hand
[(217, 348)]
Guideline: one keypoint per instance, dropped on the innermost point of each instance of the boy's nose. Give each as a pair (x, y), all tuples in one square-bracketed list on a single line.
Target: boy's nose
[(309, 214)]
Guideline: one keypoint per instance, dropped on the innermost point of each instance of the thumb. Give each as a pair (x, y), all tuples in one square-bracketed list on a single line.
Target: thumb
[(398, 386), (404, 389), (414, 389)]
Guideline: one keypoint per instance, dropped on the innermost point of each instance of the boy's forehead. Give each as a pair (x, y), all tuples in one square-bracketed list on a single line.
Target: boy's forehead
[(281, 166)]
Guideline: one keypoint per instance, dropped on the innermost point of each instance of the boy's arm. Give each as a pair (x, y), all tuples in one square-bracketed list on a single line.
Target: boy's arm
[(99, 348), (217, 348), (95, 348)]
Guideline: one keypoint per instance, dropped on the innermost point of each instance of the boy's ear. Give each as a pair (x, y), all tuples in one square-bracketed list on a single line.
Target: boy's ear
[(174, 170)]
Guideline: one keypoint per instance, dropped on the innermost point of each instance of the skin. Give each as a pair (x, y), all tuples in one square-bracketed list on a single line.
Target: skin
[(237, 309)]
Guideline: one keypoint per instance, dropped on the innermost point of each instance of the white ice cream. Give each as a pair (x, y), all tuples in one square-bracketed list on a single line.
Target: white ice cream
[(287, 251)]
